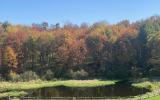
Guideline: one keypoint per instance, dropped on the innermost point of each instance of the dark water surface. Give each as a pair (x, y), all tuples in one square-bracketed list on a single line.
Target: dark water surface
[(117, 90)]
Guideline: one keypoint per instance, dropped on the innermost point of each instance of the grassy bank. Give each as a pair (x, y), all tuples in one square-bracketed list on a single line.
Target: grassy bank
[(153, 85), (149, 84), (18, 88), (154, 98), (13, 93)]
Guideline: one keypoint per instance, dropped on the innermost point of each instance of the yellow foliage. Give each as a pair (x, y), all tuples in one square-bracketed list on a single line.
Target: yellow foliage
[(10, 57)]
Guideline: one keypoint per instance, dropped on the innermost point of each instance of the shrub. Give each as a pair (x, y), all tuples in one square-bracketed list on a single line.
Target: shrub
[(49, 75), (154, 72), (13, 76), (28, 76), (80, 74)]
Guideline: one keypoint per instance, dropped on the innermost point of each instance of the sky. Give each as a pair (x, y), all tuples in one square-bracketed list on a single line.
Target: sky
[(76, 11)]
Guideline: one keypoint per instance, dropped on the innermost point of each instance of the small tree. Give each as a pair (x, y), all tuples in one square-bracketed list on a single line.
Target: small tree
[(10, 59)]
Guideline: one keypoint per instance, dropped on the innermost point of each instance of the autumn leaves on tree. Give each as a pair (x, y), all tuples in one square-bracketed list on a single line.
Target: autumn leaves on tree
[(100, 50)]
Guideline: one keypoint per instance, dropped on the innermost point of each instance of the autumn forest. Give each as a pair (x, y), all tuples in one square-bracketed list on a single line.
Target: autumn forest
[(101, 50)]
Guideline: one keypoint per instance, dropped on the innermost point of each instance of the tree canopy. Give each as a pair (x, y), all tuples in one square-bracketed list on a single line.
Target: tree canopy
[(101, 50)]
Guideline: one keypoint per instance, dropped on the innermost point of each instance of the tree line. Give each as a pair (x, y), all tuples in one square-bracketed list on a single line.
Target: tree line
[(100, 50)]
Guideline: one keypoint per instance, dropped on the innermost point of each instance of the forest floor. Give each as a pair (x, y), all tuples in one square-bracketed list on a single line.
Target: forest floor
[(18, 88)]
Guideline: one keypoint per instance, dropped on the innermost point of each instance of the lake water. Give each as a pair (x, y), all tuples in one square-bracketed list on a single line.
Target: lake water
[(117, 90)]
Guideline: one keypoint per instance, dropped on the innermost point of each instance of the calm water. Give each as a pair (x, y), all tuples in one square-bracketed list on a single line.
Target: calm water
[(118, 90)]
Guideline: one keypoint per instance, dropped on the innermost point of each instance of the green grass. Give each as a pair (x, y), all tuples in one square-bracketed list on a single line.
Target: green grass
[(154, 98), (85, 83), (10, 86), (7, 88), (153, 85), (13, 93)]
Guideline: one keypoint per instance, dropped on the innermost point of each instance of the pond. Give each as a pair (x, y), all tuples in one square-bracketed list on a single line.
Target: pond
[(120, 89)]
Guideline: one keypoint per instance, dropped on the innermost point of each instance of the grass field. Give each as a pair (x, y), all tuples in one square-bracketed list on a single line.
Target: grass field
[(154, 98)]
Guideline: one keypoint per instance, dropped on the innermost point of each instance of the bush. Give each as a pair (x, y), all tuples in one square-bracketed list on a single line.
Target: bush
[(13, 76), (49, 75), (154, 72), (80, 74), (28, 76)]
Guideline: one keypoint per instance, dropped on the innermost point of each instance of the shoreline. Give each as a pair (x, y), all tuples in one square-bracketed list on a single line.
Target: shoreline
[(19, 88)]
